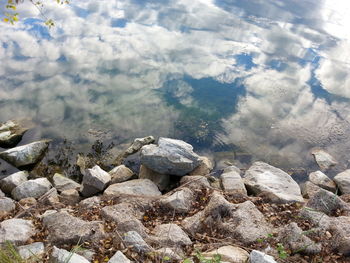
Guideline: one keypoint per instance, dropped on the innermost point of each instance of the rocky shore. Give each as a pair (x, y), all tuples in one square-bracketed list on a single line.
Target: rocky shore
[(174, 209)]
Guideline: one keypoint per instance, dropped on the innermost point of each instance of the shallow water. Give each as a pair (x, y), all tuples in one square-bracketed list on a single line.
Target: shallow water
[(243, 80)]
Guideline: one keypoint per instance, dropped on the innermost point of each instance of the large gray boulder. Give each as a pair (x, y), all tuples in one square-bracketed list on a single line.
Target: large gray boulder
[(16, 231), (275, 184), (170, 156), (12, 181), (95, 180), (63, 256), (32, 188), (62, 183), (323, 159), (322, 180), (232, 181), (343, 181), (141, 187), (25, 154), (11, 133)]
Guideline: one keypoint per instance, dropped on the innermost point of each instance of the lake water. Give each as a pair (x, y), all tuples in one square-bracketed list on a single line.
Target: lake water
[(241, 80)]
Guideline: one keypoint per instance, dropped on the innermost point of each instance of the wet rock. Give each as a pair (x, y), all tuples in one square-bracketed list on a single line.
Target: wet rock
[(274, 183), (142, 187), (195, 182), (323, 159), (133, 240), (204, 168), (70, 197), (11, 133), (95, 180), (34, 250), (66, 229), (12, 181), (232, 181), (181, 201), (63, 256), (161, 180), (260, 257), (309, 189), (16, 231), (32, 188), (343, 181), (171, 235), (119, 257), (25, 154), (62, 183), (327, 202), (341, 234), (134, 147), (322, 180), (171, 156), (294, 238), (229, 254), (120, 174), (7, 205)]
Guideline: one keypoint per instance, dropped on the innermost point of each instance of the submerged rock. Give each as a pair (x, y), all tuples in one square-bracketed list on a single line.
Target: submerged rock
[(16, 231), (25, 154), (11, 133), (323, 159), (275, 184), (343, 181), (12, 181), (32, 188), (142, 187), (171, 156)]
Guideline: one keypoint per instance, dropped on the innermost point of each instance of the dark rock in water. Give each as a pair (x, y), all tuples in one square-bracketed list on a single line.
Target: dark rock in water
[(25, 154), (11, 133), (171, 156)]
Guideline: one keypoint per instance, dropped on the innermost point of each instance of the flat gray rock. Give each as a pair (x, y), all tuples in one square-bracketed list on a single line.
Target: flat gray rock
[(343, 181), (16, 231), (275, 184), (141, 187), (260, 257), (32, 188), (64, 256), (323, 159), (232, 181), (120, 174), (62, 183), (13, 180), (95, 180), (34, 250), (25, 154), (170, 156), (119, 257), (11, 133), (7, 205), (322, 180)]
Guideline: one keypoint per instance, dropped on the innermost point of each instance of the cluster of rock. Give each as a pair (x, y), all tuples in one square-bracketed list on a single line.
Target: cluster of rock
[(134, 197)]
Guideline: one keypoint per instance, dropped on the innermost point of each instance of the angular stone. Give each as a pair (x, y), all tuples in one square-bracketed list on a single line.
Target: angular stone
[(341, 234), (90, 202), (204, 168), (161, 180), (70, 197), (135, 241), (119, 257), (327, 202), (193, 224), (232, 181), (229, 254), (16, 231), (274, 183), (323, 159), (62, 183), (7, 205), (309, 189), (293, 237), (181, 201), (343, 181), (66, 229), (12, 181), (50, 197), (11, 133), (64, 256), (32, 188), (142, 187), (34, 250), (95, 180), (171, 156), (171, 235), (322, 180), (195, 182), (260, 257), (25, 154), (120, 174), (174, 254)]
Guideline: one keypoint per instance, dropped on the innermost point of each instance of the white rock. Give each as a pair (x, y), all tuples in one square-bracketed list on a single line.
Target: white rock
[(64, 256), (32, 188), (16, 231), (232, 181), (62, 183), (32, 250), (323, 159), (229, 254), (142, 187), (276, 184), (119, 257), (10, 182), (322, 180), (260, 257), (95, 180), (343, 181)]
